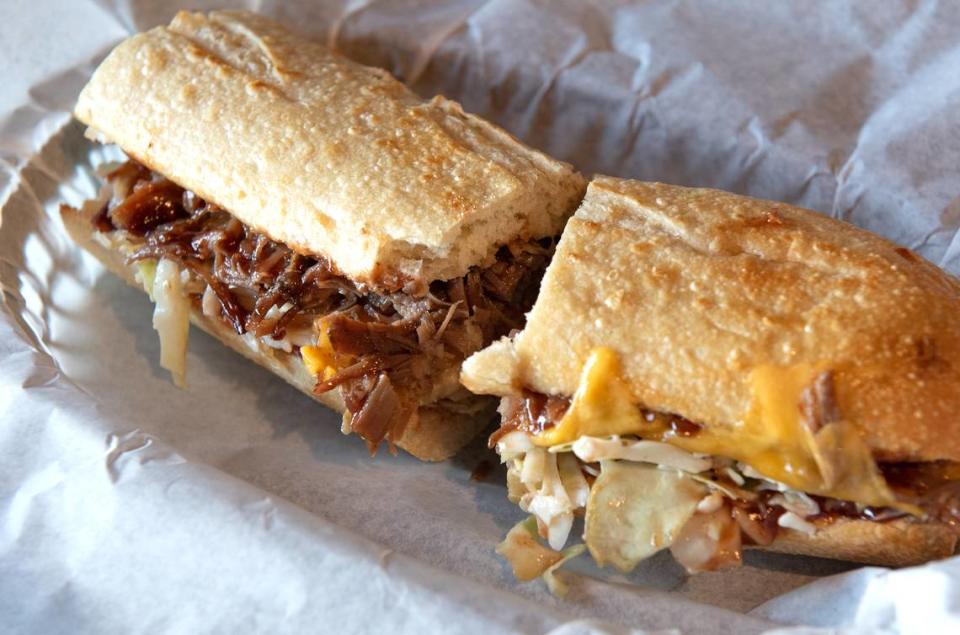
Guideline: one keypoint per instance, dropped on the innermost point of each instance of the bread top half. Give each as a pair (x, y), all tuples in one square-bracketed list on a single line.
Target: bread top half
[(333, 158), (696, 288)]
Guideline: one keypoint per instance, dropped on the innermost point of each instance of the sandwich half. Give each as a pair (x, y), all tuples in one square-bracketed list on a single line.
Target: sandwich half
[(319, 218), (706, 372)]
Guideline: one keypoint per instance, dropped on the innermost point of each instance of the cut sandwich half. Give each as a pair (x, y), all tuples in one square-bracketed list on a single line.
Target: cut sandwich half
[(318, 217), (705, 372)]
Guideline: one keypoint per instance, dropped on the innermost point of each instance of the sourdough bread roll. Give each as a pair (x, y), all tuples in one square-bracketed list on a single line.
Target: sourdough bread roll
[(332, 158), (434, 435), (695, 288)]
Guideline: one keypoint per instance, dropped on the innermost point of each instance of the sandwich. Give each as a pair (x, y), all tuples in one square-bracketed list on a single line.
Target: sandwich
[(704, 372), (319, 218)]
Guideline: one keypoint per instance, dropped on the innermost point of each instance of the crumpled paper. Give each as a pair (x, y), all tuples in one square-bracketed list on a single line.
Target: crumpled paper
[(129, 505)]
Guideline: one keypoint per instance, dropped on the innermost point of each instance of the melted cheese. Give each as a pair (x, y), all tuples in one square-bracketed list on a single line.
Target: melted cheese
[(602, 405), (771, 438), (321, 360)]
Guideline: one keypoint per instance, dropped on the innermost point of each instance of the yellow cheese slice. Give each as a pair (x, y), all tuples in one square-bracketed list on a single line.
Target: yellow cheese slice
[(772, 437)]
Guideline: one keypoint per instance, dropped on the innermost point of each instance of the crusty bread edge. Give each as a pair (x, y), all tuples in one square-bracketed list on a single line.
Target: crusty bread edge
[(436, 434), (896, 543)]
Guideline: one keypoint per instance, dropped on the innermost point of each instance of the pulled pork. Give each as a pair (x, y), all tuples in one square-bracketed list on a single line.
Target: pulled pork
[(394, 340)]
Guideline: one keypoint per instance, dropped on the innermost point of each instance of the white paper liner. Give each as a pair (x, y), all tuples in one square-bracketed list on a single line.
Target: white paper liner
[(129, 505)]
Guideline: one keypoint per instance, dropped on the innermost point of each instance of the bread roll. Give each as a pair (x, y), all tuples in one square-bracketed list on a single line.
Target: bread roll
[(694, 289), (330, 157)]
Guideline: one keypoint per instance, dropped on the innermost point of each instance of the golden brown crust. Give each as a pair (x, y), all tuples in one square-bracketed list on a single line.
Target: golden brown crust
[(328, 156), (897, 543), (697, 287), (437, 433)]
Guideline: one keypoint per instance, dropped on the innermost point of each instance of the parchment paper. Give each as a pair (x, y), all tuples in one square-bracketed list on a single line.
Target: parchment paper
[(236, 505)]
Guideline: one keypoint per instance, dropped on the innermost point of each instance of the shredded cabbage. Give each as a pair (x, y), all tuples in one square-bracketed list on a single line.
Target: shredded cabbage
[(635, 510), (557, 586), (796, 502), (209, 303), (790, 520), (708, 541), (513, 444), (531, 470), (551, 504), (730, 492), (710, 503), (592, 449), (734, 476), (578, 490), (171, 318), (146, 272), (529, 559)]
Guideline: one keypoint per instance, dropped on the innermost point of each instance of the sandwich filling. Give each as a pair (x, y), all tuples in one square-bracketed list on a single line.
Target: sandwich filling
[(387, 351), (646, 481)]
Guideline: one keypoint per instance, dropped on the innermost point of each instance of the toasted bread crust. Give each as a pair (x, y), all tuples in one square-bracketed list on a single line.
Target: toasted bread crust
[(697, 287), (897, 543), (327, 156), (435, 435)]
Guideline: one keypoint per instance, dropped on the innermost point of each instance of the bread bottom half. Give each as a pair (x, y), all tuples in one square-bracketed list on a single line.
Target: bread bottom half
[(436, 434), (894, 543)]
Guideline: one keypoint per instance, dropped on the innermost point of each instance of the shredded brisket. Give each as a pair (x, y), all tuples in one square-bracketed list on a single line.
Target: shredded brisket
[(393, 339)]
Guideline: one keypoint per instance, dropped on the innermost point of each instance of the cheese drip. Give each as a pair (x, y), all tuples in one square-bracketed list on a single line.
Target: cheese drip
[(772, 437), (602, 405)]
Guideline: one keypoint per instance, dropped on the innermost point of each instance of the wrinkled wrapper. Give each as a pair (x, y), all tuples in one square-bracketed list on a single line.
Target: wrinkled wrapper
[(128, 505)]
